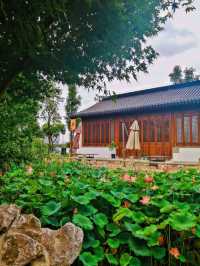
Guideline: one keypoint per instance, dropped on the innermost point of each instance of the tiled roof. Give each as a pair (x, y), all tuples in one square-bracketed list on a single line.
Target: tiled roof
[(150, 99)]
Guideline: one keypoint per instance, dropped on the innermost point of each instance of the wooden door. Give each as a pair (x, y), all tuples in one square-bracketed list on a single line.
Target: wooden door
[(156, 135)]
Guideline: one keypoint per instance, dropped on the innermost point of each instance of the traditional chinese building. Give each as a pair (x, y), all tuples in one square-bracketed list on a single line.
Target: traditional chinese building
[(168, 117)]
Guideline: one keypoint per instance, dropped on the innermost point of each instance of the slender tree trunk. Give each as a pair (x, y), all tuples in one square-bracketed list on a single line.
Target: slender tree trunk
[(48, 144)]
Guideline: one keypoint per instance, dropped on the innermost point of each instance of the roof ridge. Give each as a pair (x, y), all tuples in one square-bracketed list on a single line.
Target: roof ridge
[(154, 89)]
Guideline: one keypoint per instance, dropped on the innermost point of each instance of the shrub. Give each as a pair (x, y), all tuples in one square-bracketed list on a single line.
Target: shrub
[(39, 149), (127, 220)]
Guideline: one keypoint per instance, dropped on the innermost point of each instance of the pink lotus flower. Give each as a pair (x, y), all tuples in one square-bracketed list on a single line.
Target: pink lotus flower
[(145, 200), (75, 211), (29, 170), (126, 204), (154, 188), (175, 252), (128, 178), (149, 179), (161, 240), (133, 178)]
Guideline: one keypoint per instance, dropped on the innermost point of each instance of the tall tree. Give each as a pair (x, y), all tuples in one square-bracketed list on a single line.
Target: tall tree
[(18, 121), (81, 41), (190, 74), (52, 126), (176, 76), (179, 76), (72, 104)]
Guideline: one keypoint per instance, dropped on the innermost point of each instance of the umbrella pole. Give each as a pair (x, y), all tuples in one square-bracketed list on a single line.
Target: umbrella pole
[(123, 144)]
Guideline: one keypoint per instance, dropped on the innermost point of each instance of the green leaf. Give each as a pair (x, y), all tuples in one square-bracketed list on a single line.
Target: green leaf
[(50, 208), (139, 247), (86, 198), (138, 217), (181, 221), (146, 231), (182, 258), (113, 243), (100, 219), (122, 212), (123, 237), (125, 259), (87, 210), (133, 228), (101, 232), (83, 221), (50, 221), (158, 253), (91, 243), (114, 229), (119, 195), (168, 208), (111, 259), (113, 201), (64, 220), (46, 183), (132, 198), (99, 253), (135, 262), (153, 239), (197, 231), (88, 259), (163, 224)]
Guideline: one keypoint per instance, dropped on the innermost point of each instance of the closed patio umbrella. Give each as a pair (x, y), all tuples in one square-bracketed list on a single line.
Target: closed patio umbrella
[(133, 142)]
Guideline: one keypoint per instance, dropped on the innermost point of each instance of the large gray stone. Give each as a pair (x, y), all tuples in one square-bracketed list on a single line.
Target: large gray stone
[(23, 241)]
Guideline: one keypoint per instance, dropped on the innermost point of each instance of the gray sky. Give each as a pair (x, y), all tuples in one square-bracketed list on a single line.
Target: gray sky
[(178, 43)]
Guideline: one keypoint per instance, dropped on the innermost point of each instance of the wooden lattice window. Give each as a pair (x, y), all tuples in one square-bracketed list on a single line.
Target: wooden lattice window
[(187, 129), (97, 133)]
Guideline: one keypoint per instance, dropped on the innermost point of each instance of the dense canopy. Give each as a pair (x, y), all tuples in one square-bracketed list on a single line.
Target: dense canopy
[(81, 41)]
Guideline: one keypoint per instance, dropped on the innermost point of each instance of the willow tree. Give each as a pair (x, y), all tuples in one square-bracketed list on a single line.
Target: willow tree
[(83, 42)]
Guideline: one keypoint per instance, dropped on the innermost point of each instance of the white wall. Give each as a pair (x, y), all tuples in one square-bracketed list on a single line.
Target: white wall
[(186, 154), (100, 152)]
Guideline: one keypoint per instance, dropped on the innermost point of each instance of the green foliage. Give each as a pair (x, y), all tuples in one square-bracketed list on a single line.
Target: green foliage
[(79, 42), (20, 132), (179, 76), (118, 228), (18, 127), (39, 149), (53, 130), (72, 104), (52, 126)]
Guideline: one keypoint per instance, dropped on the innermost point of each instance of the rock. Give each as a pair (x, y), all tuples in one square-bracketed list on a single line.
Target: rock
[(8, 213), (27, 224), (64, 244), (19, 249), (23, 242)]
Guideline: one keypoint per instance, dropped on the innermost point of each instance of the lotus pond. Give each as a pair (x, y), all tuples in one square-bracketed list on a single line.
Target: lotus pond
[(136, 219)]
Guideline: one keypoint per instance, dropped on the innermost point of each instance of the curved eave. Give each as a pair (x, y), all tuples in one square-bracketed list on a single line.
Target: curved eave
[(142, 109)]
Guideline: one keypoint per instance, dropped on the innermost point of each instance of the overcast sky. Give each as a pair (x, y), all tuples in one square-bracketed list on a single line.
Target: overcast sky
[(178, 43)]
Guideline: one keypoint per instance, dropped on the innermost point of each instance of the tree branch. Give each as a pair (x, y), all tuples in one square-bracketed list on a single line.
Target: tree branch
[(19, 66)]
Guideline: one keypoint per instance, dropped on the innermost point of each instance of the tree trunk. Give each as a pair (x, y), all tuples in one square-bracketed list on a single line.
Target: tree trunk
[(50, 143)]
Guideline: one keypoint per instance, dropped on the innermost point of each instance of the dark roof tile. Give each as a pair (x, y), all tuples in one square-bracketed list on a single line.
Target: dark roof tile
[(155, 98)]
